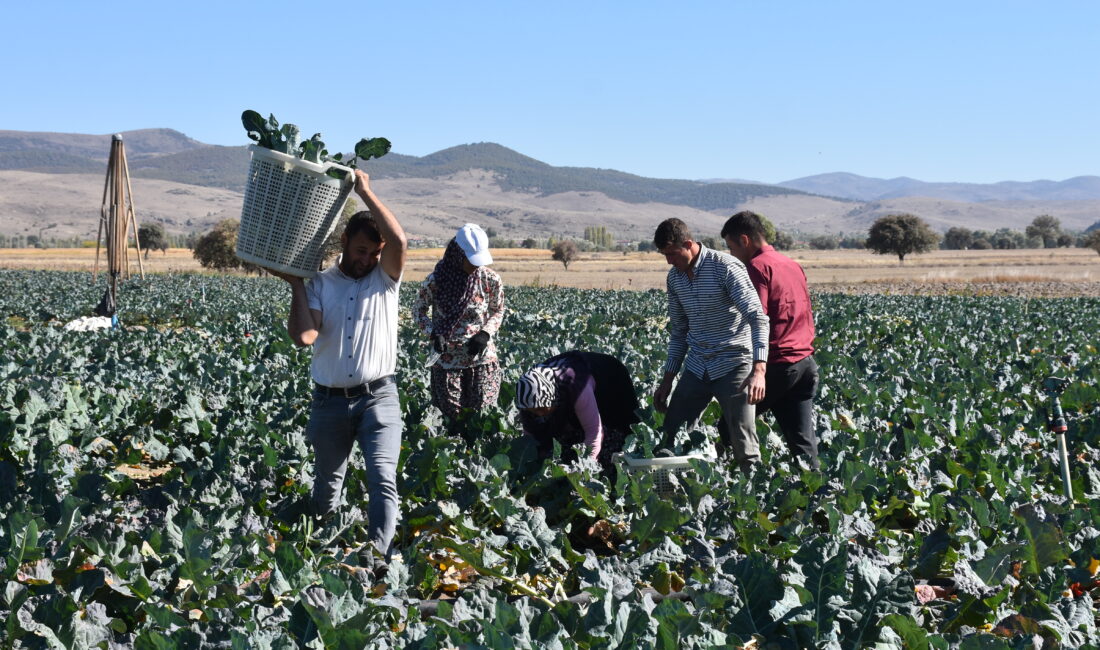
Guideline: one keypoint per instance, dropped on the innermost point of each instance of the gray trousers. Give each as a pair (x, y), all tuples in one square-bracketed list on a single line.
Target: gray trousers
[(692, 395), (374, 421)]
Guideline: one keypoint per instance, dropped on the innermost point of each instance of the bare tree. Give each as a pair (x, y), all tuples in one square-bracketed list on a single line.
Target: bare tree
[(565, 252), (217, 249)]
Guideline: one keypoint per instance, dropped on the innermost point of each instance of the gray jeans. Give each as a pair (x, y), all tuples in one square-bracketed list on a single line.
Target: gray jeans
[(692, 395), (374, 421)]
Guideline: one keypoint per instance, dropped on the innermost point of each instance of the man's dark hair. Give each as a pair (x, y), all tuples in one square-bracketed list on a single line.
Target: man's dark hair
[(745, 223), (363, 222), (671, 231)]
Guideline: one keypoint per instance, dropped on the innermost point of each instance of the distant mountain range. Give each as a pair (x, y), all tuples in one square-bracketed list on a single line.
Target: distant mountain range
[(53, 177), (861, 188), (169, 155), (140, 144)]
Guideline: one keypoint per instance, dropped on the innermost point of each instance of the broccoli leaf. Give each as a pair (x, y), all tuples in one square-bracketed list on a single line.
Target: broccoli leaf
[(257, 128), (287, 139), (312, 149), (372, 148)]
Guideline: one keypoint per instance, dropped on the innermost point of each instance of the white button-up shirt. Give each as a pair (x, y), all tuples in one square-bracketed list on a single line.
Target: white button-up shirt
[(357, 340)]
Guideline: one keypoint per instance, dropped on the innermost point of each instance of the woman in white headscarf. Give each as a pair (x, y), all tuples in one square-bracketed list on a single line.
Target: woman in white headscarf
[(466, 301), (578, 397)]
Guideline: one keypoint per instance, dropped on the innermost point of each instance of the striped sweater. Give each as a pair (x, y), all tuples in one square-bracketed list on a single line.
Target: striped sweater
[(715, 319)]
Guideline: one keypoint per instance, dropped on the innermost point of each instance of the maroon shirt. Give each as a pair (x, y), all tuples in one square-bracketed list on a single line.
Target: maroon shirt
[(781, 283)]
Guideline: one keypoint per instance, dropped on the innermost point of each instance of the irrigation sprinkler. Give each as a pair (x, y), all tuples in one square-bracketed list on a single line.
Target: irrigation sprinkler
[(1056, 423)]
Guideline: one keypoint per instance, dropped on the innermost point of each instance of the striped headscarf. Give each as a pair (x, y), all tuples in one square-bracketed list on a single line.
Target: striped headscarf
[(537, 388)]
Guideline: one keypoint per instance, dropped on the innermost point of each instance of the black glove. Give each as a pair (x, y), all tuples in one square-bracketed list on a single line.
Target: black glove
[(477, 343), (437, 343)]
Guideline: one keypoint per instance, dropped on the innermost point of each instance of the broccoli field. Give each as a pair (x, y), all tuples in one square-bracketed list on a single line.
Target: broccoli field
[(142, 469)]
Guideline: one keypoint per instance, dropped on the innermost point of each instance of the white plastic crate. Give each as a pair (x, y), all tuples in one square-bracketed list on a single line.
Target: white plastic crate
[(291, 206), (661, 467)]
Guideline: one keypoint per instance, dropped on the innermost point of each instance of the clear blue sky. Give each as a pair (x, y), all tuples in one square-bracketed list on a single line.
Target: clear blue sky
[(769, 91)]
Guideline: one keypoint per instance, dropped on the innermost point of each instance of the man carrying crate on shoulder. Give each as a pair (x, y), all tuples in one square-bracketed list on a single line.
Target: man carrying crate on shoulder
[(348, 313), (718, 332)]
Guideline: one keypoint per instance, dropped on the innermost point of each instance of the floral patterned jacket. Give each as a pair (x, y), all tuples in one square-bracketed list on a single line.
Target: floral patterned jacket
[(484, 313)]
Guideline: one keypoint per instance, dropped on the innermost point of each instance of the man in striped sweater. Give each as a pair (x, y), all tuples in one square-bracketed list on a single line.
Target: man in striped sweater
[(719, 332)]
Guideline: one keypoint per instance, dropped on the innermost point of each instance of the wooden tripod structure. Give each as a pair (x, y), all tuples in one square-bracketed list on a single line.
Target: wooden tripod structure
[(116, 217)]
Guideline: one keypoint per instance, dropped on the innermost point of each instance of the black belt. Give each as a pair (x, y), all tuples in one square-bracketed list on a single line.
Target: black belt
[(355, 391)]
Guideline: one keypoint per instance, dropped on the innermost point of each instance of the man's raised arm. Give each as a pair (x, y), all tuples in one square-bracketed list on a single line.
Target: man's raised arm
[(396, 248)]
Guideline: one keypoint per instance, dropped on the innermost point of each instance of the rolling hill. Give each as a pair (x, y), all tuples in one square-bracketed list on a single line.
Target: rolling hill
[(54, 178), (139, 144), (862, 188)]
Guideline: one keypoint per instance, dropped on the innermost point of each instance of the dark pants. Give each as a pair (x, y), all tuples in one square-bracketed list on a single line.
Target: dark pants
[(789, 395)]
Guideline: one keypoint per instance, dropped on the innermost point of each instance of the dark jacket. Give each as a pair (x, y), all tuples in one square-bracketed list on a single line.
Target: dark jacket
[(615, 399)]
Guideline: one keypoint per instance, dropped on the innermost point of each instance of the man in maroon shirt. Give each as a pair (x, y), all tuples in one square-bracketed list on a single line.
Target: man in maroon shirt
[(792, 378)]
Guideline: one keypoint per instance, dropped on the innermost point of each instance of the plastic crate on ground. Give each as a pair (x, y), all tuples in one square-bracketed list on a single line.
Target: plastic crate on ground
[(661, 467)]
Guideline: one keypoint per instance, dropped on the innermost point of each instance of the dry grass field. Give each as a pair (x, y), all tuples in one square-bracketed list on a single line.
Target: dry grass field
[(1075, 271)]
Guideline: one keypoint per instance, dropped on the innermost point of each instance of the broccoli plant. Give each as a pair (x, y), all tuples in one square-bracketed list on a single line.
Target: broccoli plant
[(286, 139)]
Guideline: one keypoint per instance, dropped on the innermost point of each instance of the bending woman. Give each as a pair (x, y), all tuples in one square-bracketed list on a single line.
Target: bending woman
[(578, 397), (466, 299)]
